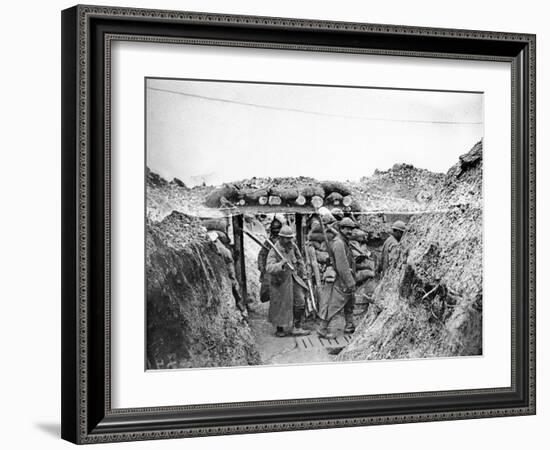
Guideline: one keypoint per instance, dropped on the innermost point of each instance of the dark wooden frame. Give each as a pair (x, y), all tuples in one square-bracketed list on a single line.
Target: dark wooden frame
[(87, 32)]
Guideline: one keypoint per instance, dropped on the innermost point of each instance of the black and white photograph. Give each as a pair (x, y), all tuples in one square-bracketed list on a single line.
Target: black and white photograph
[(311, 224)]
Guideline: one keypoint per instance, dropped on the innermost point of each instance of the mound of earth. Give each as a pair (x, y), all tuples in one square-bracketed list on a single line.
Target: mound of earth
[(429, 302), (403, 188)]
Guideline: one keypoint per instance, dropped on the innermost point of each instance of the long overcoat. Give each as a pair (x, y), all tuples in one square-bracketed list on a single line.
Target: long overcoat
[(336, 295), (281, 305), (390, 252)]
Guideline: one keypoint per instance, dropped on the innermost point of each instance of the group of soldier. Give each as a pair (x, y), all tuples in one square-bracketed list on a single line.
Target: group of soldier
[(337, 263)]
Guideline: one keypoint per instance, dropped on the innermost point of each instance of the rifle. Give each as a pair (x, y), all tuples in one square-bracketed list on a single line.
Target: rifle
[(272, 245), (312, 306)]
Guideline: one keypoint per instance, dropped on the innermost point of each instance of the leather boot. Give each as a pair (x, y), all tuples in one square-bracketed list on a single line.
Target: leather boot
[(322, 331), (280, 332), (298, 330), (350, 326)]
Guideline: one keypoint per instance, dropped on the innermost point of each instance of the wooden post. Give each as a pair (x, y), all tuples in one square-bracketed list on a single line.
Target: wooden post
[(238, 249), (299, 231)]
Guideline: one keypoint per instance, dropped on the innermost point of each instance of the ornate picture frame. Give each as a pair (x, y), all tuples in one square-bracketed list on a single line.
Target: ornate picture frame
[(88, 33)]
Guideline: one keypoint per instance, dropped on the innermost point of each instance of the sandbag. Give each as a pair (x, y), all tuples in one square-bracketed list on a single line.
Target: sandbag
[(226, 190), (322, 256), (215, 224), (285, 193), (355, 206), (363, 275), (330, 275), (358, 235), (335, 186), (334, 198), (318, 245), (312, 191), (251, 195), (365, 264), (316, 237)]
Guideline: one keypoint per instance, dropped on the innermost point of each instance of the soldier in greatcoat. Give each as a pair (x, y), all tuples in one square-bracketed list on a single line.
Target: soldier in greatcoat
[(342, 291), (274, 229), (391, 248), (288, 289)]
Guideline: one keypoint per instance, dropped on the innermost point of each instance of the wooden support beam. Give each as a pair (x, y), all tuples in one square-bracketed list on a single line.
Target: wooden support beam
[(238, 250), (299, 231)]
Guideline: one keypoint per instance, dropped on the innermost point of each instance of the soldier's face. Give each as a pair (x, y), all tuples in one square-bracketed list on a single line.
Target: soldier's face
[(285, 241), (398, 234), (346, 231)]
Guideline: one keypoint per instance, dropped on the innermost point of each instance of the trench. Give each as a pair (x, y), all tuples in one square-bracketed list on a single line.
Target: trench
[(310, 349)]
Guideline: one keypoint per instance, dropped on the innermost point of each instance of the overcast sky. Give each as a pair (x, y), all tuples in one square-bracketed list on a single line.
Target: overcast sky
[(221, 131)]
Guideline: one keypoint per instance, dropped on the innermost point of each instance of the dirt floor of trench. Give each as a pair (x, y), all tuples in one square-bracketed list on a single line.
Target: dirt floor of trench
[(290, 349)]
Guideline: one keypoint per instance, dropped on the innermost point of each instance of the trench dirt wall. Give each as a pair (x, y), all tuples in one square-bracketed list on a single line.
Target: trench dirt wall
[(429, 303), (192, 319)]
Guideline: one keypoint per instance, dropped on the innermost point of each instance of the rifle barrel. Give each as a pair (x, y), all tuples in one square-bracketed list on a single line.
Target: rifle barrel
[(272, 245), (253, 237)]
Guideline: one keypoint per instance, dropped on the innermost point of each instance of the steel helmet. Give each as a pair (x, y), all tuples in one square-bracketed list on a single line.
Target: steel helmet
[(399, 225), (347, 222), (326, 216), (286, 232), (315, 226)]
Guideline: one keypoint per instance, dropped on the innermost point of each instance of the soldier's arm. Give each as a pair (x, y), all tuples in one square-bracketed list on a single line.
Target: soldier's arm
[(273, 263), (342, 266)]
